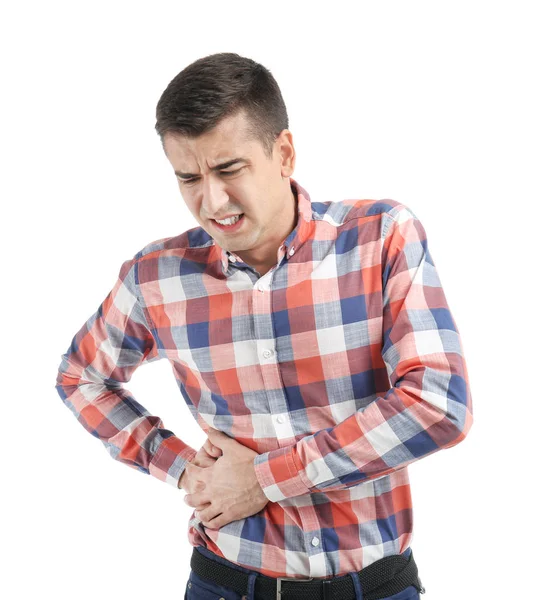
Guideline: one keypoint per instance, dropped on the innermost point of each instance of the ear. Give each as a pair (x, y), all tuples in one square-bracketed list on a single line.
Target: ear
[(285, 148)]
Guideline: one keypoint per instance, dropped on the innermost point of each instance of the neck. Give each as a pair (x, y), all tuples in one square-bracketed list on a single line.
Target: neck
[(268, 256)]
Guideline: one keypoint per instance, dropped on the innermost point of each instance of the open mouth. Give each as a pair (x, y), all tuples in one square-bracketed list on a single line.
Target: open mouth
[(233, 227)]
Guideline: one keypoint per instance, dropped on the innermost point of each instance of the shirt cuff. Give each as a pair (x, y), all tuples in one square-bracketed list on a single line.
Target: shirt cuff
[(170, 460), (279, 474)]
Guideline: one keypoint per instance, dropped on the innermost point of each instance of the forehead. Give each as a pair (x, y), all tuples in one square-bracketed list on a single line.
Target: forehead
[(230, 138)]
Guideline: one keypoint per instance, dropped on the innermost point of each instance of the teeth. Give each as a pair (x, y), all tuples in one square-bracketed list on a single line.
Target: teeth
[(230, 221)]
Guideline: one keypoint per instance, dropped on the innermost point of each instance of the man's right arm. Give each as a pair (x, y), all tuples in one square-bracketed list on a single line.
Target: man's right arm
[(103, 355)]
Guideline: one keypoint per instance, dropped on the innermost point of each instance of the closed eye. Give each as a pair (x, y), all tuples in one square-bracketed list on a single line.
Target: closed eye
[(193, 179), (232, 172)]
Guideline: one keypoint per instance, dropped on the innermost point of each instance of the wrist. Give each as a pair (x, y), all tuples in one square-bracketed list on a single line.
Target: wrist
[(180, 480)]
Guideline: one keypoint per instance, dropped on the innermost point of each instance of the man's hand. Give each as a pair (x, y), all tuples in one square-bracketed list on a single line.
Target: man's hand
[(228, 490), (205, 457)]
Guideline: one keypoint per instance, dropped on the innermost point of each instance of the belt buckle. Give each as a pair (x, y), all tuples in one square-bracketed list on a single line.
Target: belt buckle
[(280, 579)]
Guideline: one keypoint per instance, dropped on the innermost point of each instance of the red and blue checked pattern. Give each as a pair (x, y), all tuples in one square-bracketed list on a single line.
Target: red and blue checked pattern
[(340, 366)]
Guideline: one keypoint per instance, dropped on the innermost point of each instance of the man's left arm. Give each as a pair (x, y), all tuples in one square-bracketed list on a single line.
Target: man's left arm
[(429, 405)]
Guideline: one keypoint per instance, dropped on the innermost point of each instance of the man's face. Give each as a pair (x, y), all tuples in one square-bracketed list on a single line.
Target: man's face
[(256, 187)]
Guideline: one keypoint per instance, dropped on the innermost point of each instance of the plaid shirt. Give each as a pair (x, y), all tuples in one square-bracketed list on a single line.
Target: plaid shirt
[(340, 366)]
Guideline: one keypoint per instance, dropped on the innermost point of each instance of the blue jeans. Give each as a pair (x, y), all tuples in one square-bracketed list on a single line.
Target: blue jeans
[(199, 588)]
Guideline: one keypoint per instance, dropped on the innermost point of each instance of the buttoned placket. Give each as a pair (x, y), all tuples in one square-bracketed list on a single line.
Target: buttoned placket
[(267, 353), (284, 433)]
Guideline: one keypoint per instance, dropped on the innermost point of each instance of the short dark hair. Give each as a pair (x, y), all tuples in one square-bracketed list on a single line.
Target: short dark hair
[(218, 86)]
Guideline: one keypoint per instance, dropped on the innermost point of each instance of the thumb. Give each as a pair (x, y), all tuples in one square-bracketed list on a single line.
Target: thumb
[(218, 438)]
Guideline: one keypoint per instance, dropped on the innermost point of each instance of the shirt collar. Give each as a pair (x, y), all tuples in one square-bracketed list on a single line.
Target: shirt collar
[(296, 237)]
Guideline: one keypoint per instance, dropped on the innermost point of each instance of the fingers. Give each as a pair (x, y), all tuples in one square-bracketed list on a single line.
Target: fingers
[(192, 481), (211, 449), (197, 498), (200, 508), (203, 459), (206, 515)]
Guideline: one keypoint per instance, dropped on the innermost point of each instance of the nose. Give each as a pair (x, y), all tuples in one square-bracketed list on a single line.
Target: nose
[(215, 198)]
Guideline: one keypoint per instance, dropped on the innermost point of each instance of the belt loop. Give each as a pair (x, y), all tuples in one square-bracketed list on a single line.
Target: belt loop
[(357, 585), (327, 589), (251, 586)]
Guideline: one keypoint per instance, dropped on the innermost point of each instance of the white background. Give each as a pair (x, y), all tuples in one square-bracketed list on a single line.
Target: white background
[(429, 103)]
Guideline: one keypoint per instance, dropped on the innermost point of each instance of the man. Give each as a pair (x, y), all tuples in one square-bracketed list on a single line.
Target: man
[(312, 342)]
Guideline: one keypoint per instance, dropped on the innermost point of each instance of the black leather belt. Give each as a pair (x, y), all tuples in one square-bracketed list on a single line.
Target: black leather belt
[(380, 579)]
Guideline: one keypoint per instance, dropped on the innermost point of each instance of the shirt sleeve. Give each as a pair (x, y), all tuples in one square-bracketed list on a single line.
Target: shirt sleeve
[(428, 407), (102, 356)]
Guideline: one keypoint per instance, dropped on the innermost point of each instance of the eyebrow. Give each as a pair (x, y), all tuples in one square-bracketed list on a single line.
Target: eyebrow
[(224, 165)]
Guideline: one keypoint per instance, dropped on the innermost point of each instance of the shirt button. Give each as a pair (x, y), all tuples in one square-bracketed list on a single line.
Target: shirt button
[(280, 419), (267, 353), (315, 541), (291, 251)]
